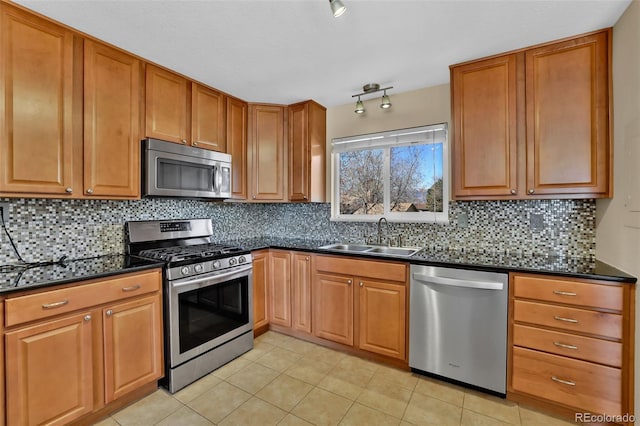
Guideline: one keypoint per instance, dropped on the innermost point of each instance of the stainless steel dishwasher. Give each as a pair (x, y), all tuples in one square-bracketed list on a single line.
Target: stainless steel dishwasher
[(458, 325)]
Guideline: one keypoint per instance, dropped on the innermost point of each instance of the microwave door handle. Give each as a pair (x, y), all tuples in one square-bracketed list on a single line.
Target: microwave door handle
[(219, 173), (215, 178)]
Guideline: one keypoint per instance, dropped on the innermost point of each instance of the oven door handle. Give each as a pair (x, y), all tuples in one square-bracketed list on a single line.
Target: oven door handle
[(220, 276)]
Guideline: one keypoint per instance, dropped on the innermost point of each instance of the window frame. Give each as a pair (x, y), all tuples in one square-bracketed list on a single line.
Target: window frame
[(374, 142)]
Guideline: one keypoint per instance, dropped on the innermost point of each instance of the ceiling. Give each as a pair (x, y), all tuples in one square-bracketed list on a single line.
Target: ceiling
[(284, 51)]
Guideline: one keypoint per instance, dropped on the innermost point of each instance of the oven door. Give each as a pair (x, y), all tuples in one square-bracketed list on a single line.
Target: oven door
[(207, 311)]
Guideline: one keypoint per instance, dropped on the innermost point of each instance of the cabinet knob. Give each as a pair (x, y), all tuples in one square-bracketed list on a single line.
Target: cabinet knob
[(109, 312), (305, 197), (184, 141), (361, 284), (87, 317), (195, 143), (69, 190), (349, 282), (306, 258), (254, 197), (514, 192), (531, 191), (89, 191)]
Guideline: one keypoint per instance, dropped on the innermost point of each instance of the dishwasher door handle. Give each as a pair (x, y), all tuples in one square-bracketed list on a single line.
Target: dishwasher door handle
[(480, 285)]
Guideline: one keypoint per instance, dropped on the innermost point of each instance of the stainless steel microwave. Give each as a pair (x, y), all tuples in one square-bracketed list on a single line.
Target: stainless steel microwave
[(173, 170)]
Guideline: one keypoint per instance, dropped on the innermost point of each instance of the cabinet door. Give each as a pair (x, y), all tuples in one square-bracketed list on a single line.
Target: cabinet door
[(36, 79), (382, 318), (132, 345), (166, 106), (280, 288), (301, 292), (485, 128), (333, 308), (260, 300), (299, 152), (567, 110), (49, 372), (267, 152), (111, 122), (237, 146), (207, 118)]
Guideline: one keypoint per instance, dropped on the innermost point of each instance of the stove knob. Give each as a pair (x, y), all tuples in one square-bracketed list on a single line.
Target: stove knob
[(198, 268), (216, 264), (242, 259), (232, 261), (185, 270)]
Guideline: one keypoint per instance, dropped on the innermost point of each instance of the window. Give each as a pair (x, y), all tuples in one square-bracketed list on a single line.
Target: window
[(401, 175)]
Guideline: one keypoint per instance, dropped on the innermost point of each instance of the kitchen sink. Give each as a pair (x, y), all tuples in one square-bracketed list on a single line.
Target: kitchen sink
[(372, 249)]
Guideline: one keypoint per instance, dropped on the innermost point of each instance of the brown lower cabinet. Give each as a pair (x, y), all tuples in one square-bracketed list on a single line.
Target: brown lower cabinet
[(361, 303), (78, 349), (571, 344)]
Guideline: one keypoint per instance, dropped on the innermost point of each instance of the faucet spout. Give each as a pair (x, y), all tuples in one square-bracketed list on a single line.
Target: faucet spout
[(382, 219)]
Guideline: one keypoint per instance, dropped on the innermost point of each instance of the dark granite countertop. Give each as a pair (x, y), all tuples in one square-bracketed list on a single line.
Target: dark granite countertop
[(26, 278), (500, 262)]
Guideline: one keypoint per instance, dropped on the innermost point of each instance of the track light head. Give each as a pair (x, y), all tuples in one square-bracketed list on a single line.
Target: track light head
[(359, 106), (337, 8)]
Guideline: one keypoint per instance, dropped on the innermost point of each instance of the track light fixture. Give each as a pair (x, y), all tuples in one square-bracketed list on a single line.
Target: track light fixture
[(337, 8), (367, 89)]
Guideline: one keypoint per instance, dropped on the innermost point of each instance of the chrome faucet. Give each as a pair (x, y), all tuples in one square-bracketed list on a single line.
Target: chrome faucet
[(380, 229)]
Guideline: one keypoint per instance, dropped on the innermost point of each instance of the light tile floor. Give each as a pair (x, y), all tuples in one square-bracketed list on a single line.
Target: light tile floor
[(286, 381)]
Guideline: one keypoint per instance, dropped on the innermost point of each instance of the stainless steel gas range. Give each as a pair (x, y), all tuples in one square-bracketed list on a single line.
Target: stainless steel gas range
[(207, 295)]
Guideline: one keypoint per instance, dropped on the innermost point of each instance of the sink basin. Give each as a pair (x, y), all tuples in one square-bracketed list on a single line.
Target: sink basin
[(373, 250)]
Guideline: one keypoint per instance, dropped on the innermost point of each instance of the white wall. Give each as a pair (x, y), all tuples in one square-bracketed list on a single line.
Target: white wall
[(617, 226), (430, 105)]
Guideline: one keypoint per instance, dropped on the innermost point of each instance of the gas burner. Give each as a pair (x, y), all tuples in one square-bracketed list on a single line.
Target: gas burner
[(181, 253)]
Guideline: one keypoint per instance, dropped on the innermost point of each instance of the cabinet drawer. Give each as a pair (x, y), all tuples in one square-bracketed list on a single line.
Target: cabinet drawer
[(587, 386), (49, 303), (568, 292), (578, 320), (388, 271), (571, 345)]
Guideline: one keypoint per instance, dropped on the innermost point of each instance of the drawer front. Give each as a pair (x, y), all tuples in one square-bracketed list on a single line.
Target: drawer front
[(578, 320), (587, 386), (571, 345), (49, 303), (568, 292), (387, 271)]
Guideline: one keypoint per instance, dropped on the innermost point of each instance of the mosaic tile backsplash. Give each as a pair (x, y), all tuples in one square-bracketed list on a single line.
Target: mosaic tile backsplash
[(47, 229)]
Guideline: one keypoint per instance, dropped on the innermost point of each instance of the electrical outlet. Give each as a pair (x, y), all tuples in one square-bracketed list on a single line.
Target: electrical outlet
[(5, 212), (536, 221)]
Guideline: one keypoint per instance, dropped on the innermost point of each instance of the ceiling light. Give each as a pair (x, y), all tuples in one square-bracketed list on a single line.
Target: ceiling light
[(337, 7), (386, 102), (359, 106), (372, 88)]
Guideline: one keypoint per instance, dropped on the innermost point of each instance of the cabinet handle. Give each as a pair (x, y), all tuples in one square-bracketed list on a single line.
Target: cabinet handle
[(361, 284), (87, 317), (109, 312), (564, 382), (349, 282), (55, 304), (564, 293), (565, 346), (89, 191), (132, 288), (514, 192), (194, 143), (571, 320), (69, 190), (531, 191)]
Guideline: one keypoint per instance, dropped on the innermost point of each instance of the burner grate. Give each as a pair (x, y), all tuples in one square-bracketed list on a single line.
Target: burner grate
[(180, 253)]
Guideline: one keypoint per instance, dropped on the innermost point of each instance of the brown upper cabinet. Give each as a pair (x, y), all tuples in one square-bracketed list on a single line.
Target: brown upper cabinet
[(36, 70), (70, 127), (237, 127), (181, 111), (267, 152), (307, 140), (534, 123), (111, 122)]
